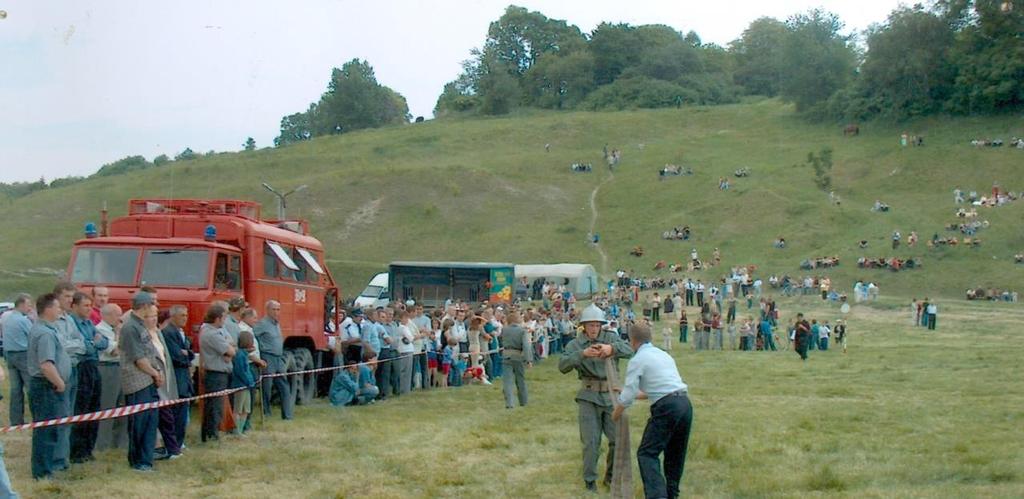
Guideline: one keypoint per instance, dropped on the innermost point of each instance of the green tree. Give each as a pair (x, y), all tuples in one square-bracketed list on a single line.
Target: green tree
[(560, 81), (354, 100), (161, 160), (186, 155), (250, 144), (817, 60), (519, 37), (758, 56), (989, 54), (907, 70), (614, 48), (499, 90), (296, 127), (123, 165)]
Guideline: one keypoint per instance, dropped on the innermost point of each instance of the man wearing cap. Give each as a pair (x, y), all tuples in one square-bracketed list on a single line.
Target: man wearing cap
[(586, 354), (652, 374)]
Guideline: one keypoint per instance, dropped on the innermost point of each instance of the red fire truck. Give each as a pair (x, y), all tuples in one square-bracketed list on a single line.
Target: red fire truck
[(195, 252)]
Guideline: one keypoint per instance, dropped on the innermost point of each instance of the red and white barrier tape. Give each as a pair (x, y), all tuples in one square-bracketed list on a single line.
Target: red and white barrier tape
[(128, 410)]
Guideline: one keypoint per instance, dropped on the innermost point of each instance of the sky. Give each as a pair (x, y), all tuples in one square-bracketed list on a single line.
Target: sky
[(84, 83)]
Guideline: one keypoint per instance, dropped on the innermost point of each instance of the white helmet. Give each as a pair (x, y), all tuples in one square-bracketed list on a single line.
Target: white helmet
[(593, 313)]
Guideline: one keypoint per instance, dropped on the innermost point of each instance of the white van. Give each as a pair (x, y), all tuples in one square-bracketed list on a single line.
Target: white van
[(376, 293)]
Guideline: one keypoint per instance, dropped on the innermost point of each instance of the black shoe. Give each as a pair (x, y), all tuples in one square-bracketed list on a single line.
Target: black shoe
[(591, 486), (78, 460)]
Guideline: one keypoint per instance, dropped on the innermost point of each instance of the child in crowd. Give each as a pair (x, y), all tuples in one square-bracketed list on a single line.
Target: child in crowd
[(241, 376), (447, 355), (430, 346)]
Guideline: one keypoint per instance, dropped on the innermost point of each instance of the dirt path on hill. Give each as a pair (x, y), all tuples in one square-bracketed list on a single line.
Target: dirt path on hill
[(593, 224)]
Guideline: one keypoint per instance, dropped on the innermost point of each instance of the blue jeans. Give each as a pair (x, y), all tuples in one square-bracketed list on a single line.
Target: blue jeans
[(497, 368), (142, 427), (62, 456), (17, 372), (275, 365), (683, 330), (45, 404), (823, 344), (5, 480)]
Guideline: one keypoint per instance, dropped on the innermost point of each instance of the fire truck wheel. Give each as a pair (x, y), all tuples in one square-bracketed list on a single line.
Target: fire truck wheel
[(307, 382)]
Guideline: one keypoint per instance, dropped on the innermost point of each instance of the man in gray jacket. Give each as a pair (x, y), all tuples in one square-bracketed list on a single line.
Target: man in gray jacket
[(516, 357)]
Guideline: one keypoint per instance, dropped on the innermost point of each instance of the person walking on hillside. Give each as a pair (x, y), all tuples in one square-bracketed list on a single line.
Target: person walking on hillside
[(840, 333), (932, 312), (652, 374), (655, 305), (802, 337), (586, 355), (268, 334), (517, 355)]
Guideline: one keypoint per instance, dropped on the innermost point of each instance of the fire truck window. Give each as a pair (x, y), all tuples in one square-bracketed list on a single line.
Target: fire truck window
[(227, 277), (269, 262), (171, 267), (303, 272), (105, 266), (285, 265)]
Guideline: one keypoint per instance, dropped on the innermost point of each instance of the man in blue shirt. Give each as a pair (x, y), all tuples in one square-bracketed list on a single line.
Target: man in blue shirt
[(16, 326), (652, 374), (83, 435), (268, 333)]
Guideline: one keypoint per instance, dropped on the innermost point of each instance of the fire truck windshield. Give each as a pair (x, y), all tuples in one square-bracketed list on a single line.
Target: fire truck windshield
[(171, 267), (105, 266)]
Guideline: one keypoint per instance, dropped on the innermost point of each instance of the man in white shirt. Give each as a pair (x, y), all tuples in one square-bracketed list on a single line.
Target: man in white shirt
[(112, 433), (652, 374)]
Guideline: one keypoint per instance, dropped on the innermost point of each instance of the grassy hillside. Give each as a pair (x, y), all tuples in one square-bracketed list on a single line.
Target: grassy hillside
[(486, 189)]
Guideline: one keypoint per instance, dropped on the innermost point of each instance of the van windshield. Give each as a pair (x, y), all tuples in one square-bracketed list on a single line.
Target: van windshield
[(372, 291), (171, 267), (105, 266)]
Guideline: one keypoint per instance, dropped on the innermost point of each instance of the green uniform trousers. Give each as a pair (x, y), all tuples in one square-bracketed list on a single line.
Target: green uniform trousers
[(514, 371), (593, 420)]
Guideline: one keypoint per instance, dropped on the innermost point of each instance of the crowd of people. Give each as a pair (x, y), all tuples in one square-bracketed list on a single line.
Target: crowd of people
[(72, 353), (991, 294), (894, 264), (821, 262)]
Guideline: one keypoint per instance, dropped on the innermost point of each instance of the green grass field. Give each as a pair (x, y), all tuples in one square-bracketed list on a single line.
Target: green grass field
[(485, 189), (906, 413)]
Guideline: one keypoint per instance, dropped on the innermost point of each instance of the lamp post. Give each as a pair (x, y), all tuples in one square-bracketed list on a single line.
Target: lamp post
[(282, 201)]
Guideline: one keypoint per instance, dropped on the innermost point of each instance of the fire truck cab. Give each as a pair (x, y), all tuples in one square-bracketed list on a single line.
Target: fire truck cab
[(195, 252)]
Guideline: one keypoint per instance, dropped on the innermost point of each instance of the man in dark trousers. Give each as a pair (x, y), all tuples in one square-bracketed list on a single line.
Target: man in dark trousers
[(180, 349), (802, 337), (268, 333), (652, 374)]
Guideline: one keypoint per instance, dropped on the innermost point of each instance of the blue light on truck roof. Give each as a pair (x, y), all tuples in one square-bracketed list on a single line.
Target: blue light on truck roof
[(90, 230), (210, 233)]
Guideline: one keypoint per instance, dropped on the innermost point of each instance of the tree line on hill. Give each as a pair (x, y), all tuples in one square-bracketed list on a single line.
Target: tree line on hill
[(13, 190), (957, 56)]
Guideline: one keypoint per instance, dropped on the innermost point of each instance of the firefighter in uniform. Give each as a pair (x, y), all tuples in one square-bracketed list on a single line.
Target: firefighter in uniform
[(586, 354)]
